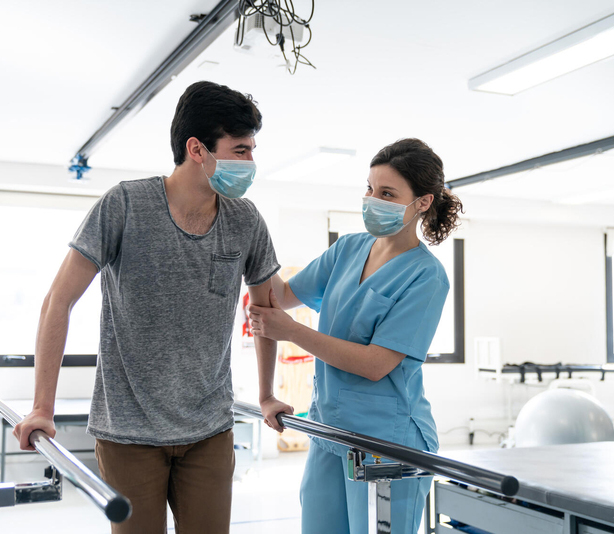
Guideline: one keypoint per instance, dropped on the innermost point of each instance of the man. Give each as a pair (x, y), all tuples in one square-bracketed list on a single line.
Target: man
[(171, 253)]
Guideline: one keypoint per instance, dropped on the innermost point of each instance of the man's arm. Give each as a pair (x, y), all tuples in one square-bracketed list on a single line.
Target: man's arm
[(266, 352), (73, 278), (285, 296)]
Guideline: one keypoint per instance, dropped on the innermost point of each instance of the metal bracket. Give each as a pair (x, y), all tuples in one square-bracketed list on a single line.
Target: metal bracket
[(79, 165), (378, 471), (32, 492), (379, 475)]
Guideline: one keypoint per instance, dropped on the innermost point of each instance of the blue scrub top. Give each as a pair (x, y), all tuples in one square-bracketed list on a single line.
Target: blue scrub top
[(397, 307)]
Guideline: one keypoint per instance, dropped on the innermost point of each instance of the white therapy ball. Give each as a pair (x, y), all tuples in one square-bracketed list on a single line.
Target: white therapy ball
[(560, 416)]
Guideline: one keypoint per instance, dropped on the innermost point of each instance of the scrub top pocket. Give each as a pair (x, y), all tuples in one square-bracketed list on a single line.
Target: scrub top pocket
[(224, 272), (373, 415), (370, 314)]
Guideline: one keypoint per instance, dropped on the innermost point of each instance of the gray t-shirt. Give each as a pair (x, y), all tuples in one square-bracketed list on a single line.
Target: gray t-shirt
[(168, 307)]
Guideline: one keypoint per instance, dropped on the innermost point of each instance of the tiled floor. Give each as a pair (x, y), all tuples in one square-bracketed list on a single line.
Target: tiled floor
[(265, 500)]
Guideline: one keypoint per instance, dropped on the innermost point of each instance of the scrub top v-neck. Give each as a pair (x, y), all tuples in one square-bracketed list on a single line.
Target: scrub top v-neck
[(397, 307)]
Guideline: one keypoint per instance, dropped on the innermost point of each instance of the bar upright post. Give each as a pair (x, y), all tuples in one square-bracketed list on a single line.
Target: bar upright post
[(379, 507)]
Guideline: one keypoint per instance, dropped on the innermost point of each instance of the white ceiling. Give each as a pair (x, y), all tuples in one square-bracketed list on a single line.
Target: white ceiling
[(385, 70)]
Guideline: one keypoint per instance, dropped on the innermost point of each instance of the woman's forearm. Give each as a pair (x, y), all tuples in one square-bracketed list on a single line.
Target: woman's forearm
[(283, 292), (369, 361)]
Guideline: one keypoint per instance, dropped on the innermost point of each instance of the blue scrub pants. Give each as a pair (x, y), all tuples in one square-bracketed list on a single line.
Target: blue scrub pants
[(334, 504)]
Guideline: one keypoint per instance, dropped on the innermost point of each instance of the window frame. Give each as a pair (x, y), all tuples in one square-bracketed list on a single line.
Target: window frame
[(458, 356), (609, 313)]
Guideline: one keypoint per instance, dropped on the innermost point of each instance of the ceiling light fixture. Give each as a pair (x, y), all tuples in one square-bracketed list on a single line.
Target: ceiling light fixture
[(310, 163), (578, 49)]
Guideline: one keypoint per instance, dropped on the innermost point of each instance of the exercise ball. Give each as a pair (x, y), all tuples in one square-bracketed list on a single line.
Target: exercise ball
[(560, 416)]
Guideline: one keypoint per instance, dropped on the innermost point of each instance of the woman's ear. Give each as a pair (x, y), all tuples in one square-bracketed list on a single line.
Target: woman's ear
[(425, 202)]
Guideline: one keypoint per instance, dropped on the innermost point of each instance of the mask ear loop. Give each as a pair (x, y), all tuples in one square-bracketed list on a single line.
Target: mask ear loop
[(203, 163), (411, 220)]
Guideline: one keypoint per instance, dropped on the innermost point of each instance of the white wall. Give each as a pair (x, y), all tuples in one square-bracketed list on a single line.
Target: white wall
[(539, 286), (540, 289)]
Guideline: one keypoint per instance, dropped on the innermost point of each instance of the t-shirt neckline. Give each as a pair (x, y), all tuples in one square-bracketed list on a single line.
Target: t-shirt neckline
[(185, 232)]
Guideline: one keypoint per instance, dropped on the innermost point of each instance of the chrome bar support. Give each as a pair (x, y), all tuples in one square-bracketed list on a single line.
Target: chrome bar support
[(115, 506), (7, 494), (31, 492), (48, 490), (426, 461), (379, 475), (380, 516), (360, 472)]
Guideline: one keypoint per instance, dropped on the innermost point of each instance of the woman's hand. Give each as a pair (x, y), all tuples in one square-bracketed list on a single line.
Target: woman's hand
[(273, 322)]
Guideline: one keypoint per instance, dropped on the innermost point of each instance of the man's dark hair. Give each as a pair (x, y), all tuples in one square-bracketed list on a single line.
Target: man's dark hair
[(209, 111)]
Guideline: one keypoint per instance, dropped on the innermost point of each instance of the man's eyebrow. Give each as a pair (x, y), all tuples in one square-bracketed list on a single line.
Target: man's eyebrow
[(248, 147)]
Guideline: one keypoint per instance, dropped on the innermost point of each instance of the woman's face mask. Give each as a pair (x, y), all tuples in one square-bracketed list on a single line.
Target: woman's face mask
[(232, 177), (383, 218)]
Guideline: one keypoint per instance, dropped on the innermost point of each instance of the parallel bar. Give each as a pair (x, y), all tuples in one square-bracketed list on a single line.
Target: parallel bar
[(209, 29), (433, 463), (525, 369), (27, 360), (115, 506), (579, 151), (551, 368)]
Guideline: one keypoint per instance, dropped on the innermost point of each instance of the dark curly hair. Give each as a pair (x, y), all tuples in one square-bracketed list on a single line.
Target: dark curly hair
[(415, 161), (209, 111)]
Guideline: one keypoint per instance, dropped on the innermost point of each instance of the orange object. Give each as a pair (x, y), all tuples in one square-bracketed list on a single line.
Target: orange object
[(246, 329)]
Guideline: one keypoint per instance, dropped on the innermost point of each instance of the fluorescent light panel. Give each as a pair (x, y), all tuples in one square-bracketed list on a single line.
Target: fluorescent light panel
[(572, 52), (310, 163)]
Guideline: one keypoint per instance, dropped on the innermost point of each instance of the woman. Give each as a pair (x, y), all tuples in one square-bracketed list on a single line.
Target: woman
[(380, 295)]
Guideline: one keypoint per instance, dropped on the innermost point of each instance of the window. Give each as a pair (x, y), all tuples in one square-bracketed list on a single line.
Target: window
[(448, 345), (609, 252), (34, 240), (449, 342)]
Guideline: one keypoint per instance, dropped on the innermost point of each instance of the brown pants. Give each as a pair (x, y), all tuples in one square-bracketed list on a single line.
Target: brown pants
[(196, 480)]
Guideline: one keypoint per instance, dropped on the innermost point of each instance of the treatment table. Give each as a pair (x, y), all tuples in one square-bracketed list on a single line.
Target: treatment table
[(567, 489)]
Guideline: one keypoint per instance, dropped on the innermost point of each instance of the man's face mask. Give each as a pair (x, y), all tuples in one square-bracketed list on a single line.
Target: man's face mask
[(383, 218), (232, 177)]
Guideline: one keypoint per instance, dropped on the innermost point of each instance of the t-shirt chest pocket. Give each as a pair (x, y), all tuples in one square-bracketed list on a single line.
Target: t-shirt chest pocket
[(371, 312), (224, 272)]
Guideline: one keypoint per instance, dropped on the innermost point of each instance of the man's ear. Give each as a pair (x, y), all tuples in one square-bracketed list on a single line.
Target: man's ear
[(195, 151)]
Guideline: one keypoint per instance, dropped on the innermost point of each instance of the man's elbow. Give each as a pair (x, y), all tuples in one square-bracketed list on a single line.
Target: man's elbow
[(56, 302)]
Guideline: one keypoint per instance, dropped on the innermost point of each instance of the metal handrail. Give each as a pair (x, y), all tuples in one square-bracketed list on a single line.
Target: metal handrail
[(427, 461), (115, 506)]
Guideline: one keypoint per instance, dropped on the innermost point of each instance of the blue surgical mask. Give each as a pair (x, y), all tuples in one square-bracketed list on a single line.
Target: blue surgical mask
[(383, 218), (232, 177)]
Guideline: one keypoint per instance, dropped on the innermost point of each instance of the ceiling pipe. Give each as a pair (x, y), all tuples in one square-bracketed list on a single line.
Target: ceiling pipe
[(588, 149), (207, 31)]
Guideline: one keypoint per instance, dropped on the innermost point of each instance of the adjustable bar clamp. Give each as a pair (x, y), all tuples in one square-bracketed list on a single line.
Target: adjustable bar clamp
[(379, 475), (32, 492)]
